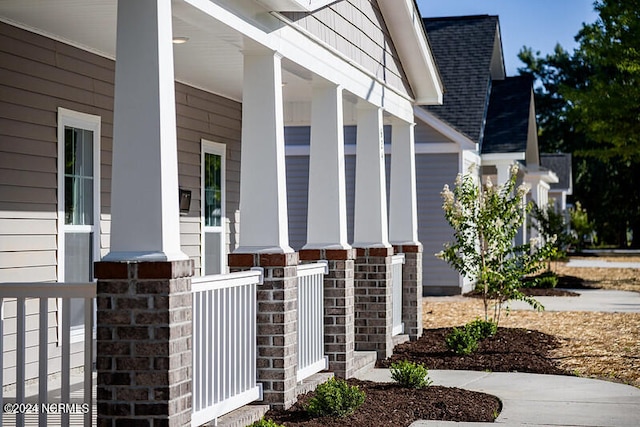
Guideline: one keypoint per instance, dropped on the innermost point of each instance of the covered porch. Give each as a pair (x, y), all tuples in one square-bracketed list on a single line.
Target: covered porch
[(149, 309)]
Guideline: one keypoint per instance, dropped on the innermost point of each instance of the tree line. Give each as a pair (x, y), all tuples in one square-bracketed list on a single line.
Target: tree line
[(588, 104)]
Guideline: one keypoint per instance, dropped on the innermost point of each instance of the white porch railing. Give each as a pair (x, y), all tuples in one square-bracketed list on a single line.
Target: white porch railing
[(396, 277), (311, 358), (224, 344), (15, 323)]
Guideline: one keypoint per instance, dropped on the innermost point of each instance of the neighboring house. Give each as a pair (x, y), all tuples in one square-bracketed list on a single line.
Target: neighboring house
[(468, 51), (511, 135), (560, 163), (105, 123), (486, 119)]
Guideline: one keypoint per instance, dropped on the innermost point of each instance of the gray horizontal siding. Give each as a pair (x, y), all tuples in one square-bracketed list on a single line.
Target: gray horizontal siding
[(433, 171), (356, 28), (37, 76)]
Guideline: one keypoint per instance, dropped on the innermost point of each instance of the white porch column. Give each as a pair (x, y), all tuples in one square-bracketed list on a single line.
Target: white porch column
[(503, 172), (370, 210), (263, 197), (327, 213), (403, 209), (144, 192)]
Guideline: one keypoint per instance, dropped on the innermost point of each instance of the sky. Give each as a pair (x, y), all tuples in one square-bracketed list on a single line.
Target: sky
[(538, 24)]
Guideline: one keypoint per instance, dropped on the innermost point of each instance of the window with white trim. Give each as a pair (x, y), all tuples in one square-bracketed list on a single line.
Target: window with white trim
[(78, 203), (213, 208)]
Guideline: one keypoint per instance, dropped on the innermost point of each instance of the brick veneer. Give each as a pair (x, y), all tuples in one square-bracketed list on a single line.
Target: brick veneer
[(277, 322), (339, 312), (411, 289), (144, 338), (373, 301)]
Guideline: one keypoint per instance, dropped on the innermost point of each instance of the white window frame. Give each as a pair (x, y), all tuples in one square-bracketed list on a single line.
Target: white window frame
[(93, 123), (216, 148)]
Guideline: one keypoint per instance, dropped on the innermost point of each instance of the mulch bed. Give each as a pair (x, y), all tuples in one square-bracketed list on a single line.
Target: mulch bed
[(510, 350), (391, 405)]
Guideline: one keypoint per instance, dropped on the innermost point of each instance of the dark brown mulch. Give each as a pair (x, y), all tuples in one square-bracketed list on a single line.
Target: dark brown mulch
[(510, 350), (391, 405)]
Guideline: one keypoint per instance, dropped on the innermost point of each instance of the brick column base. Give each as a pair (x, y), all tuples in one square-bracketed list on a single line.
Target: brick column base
[(277, 323), (411, 289), (373, 301), (339, 314), (144, 338)]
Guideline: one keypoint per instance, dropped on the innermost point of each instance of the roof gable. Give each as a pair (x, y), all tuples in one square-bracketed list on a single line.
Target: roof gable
[(509, 117), (468, 53), (560, 163)]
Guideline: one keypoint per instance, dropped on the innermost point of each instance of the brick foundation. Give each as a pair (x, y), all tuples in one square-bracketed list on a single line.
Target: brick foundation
[(144, 343), (277, 322), (411, 289), (339, 313), (373, 301)]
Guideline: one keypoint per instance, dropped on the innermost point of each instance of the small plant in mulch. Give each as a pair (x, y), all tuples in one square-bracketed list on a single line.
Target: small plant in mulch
[(545, 280), (335, 398), (464, 340), (410, 375), (266, 423)]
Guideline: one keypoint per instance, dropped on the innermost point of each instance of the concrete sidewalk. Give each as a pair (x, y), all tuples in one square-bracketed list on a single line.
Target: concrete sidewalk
[(600, 300), (549, 400), (541, 400)]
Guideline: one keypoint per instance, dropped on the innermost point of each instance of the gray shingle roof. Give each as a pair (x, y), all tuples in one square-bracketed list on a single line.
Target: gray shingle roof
[(507, 125), (560, 163), (463, 48)]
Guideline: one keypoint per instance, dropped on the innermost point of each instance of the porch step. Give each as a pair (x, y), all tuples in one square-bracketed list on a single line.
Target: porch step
[(399, 339), (241, 417), (363, 362), (310, 384)]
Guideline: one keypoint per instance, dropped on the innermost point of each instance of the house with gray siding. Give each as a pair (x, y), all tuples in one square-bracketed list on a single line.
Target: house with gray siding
[(143, 169), (487, 119)]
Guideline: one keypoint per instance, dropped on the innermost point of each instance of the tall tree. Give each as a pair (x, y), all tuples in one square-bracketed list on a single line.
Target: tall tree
[(607, 106), (588, 104)]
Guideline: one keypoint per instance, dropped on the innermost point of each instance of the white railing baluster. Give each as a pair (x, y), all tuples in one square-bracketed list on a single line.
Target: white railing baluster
[(396, 301), (88, 359), (226, 339), (43, 371), (44, 293), (20, 359), (66, 355), (311, 357)]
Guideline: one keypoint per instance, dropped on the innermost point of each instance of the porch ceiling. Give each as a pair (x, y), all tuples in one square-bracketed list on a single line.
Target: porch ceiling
[(210, 60)]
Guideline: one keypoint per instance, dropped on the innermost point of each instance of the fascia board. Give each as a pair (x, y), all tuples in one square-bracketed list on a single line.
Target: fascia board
[(407, 31), (443, 128), (303, 48), (294, 5), (497, 158)]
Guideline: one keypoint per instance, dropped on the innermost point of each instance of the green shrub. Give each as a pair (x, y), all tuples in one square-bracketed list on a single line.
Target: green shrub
[(482, 329), (410, 375), (546, 280), (462, 341), (335, 398), (266, 423)]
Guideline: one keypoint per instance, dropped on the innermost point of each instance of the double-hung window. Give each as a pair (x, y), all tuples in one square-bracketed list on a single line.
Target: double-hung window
[(212, 208), (78, 203)]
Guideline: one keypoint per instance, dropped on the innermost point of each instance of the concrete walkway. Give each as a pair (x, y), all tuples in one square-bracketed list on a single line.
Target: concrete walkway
[(600, 300), (550, 400), (595, 263)]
